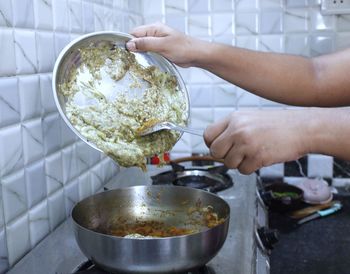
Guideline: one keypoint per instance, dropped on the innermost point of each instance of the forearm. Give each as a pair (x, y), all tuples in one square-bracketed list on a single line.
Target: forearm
[(329, 131), (283, 78)]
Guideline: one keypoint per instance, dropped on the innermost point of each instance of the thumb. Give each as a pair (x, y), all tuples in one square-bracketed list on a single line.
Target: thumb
[(145, 44)]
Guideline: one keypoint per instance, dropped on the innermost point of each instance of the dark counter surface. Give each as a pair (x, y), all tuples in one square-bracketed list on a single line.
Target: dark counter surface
[(321, 246)]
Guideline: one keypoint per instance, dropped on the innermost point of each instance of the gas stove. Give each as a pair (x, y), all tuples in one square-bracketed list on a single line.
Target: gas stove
[(89, 267), (212, 179), (245, 250)]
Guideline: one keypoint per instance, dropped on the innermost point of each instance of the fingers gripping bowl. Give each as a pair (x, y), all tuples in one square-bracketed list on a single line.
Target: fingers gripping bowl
[(105, 94)]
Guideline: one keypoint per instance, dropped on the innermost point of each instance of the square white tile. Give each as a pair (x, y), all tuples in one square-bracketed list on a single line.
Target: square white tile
[(7, 53), (276, 170), (222, 6), (83, 157), (2, 220), (201, 117), (6, 16), (152, 7), (198, 6), (54, 172), (39, 225), (221, 113), (321, 44), (296, 20), (343, 22), (14, 195), (224, 95), (246, 99), (297, 44), (47, 101), (248, 42), (9, 101), (88, 16), (222, 24), (71, 194), (320, 166), (177, 22), (198, 25), (46, 52), (36, 183), (52, 133), (18, 241), (25, 48), (33, 146), (23, 13), (69, 164), (75, 15), (271, 43), (61, 40), (43, 14), (11, 156), (271, 4), (247, 23), (342, 41), (201, 95), (68, 136), (4, 265), (96, 178), (183, 145), (271, 22), (29, 95), (84, 185), (60, 15), (99, 17), (57, 210), (177, 7), (244, 5)]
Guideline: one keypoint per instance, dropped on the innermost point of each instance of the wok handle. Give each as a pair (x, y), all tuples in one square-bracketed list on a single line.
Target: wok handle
[(196, 158)]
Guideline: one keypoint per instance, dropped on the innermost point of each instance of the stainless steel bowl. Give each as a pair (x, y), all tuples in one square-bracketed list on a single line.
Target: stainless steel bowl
[(168, 204), (70, 57)]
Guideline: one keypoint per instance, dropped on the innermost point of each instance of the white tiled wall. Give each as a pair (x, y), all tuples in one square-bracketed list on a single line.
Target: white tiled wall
[(44, 169)]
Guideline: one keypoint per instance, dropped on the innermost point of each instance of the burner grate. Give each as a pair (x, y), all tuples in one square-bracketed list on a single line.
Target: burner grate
[(212, 179), (89, 267)]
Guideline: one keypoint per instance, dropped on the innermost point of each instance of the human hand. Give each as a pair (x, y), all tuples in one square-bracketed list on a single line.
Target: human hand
[(173, 45), (249, 140)]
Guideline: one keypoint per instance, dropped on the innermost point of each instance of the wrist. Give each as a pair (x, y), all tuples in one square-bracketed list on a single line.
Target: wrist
[(200, 52), (319, 135)]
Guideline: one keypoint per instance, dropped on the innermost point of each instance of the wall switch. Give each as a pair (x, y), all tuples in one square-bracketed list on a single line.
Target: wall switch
[(335, 7)]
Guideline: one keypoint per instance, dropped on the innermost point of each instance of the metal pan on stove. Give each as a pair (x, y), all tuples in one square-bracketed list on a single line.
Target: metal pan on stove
[(94, 217)]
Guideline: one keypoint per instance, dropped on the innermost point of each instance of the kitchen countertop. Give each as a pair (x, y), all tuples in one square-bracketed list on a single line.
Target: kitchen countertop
[(319, 246), (58, 253)]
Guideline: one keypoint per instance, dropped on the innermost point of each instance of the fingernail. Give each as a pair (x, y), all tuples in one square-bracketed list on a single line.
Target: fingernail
[(131, 46)]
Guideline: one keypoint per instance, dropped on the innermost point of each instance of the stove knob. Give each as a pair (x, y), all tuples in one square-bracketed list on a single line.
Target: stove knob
[(269, 237)]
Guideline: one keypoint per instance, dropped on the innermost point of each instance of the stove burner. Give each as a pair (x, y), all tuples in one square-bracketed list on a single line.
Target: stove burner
[(212, 179), (89, 267)]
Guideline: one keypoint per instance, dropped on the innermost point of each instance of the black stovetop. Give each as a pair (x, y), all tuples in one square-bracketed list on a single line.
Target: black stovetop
[(321, 246)]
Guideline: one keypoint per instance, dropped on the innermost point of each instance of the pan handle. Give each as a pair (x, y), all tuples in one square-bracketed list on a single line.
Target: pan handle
[(196, 158)]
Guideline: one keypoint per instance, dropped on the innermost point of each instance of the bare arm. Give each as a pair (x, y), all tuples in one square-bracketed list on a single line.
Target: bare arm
[(294, 80), (249, 140)]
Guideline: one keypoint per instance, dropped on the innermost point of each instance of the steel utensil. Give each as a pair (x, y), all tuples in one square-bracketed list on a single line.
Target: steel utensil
[(69, 59), (169, 126), (93, 216)]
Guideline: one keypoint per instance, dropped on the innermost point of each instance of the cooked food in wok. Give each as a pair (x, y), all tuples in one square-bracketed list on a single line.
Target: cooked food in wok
[(198, 219)]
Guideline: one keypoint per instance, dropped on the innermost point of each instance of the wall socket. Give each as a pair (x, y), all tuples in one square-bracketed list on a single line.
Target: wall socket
[(335, 7)]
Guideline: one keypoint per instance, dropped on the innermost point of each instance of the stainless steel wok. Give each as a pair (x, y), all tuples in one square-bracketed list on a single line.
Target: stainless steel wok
[(94, 216)]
